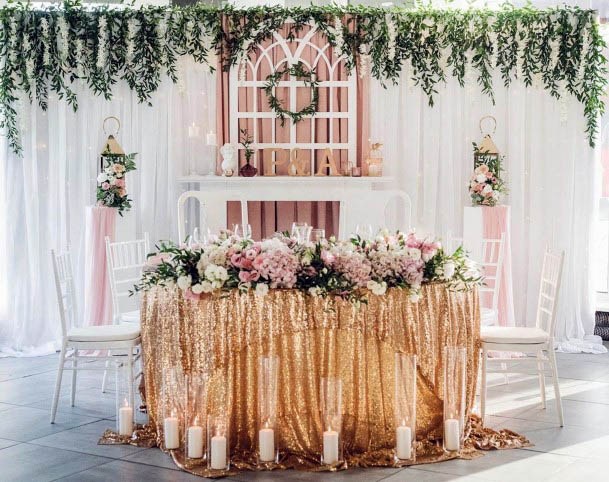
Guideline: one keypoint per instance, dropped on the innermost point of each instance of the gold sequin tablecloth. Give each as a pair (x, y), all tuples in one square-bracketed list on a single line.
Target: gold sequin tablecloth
[(313, 338)]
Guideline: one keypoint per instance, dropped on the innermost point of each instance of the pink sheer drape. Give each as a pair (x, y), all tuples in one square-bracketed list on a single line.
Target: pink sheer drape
[(268, 217)]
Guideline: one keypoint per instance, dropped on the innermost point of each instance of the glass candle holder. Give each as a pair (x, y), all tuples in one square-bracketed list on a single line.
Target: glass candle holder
[(331, 413), (194, 416), (405, 409), (455, 367), (218, 455), (172, 406), (318, 234), (268, 370), (125, 413)]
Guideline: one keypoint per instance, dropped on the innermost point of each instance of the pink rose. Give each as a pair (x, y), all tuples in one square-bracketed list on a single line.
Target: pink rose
[(105, 186), (121, 192), (236, 260), (247, 276), (120, 183)]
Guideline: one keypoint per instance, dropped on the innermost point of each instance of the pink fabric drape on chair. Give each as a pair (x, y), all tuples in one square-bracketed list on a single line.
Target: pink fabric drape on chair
[(268, 217), (495, 222), (100, 223)]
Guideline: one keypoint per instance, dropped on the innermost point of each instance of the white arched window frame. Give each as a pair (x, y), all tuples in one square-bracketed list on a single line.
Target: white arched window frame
[(256, 84)]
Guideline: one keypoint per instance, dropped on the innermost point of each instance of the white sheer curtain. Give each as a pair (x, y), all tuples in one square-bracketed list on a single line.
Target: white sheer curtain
[(43, 195), (550, 169)]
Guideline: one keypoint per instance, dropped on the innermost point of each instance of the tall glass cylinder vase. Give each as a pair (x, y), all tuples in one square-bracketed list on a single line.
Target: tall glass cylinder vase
[(125, 411), (268, 449), (172, 407), (405, 409), (194, 417), (331, 397), (455, 366), (218, 454)]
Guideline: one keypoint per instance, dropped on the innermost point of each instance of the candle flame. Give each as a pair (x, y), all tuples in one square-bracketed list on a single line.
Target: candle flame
[(173, 412), (125, 403), (403, 423), (196, 420)]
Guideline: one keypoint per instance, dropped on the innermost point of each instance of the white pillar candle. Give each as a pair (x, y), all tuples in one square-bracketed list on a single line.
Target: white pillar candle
[(193, 130), (125, 420), (330, 447), (266, 438), (403, 442), (452, 437), (211, 139), (195, 442), (171, 432), (218, 452)]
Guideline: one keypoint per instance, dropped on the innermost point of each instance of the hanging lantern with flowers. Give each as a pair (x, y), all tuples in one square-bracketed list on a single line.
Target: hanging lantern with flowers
[(485, 184), (114, 164), (375, 160)]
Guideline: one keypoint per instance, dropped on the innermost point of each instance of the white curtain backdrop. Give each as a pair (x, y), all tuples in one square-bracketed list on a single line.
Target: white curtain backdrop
[(550, 169), (43, 195)]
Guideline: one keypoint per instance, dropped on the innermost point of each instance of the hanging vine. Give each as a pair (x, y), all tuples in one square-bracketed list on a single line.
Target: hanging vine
[(52, 48)]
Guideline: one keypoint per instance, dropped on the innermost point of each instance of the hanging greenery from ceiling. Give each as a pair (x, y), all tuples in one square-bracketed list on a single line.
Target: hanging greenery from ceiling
[(51, 49)]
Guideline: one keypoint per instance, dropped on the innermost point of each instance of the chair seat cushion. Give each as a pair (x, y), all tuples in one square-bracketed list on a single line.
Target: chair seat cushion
[(488, 316), (130, 317), (104, 333), (519, 335)]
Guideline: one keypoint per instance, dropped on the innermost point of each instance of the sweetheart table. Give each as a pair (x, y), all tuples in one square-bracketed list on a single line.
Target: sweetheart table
[(313, 337)]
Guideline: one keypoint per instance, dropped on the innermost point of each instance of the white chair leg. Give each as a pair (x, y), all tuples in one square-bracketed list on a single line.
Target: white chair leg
[(552, 358), (74, 368), (542, 379), (483, 386), (130, 374), (104, 378), (62, 359)]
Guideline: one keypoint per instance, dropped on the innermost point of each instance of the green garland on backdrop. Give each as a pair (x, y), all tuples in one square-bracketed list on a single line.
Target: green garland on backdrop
[(51, 49)]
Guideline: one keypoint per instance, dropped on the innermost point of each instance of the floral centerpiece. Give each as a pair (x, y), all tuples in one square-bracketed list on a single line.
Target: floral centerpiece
[(350, 269), (485, 187), (111, 187)]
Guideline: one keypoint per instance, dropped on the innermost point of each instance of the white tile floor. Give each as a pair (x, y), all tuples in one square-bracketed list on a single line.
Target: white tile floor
[(33, 450)]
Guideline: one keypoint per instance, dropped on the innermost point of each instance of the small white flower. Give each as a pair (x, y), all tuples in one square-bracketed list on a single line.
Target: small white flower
[(449, 270), (307, 258), (414, 297), (262, 289), (184, 282), (488, 188), (207, 287), (481, 178), (197, 289), (414, 253), (376, 287), (102, 177), (314, 290)]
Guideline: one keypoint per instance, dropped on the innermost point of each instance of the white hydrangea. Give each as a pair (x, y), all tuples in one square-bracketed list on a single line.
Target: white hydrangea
[(262, 289), (216, 274), (376, 287), (184, 282)]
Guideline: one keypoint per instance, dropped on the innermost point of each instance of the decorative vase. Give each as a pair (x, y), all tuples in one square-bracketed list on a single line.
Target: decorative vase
[(229, 159), (248, 170)]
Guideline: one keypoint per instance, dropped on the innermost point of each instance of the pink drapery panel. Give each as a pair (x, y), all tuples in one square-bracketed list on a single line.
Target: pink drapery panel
[(268, 217), (495, 222), (100, 223)]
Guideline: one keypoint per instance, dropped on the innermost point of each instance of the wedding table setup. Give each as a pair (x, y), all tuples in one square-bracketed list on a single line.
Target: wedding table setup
[(287, 353)]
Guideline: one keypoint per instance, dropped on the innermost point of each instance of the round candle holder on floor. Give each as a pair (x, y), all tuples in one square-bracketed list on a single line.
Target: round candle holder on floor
[(455, 367), (218, 454), (331, 412), (194, 417), (268, 447), (405, 409), (125, 413)]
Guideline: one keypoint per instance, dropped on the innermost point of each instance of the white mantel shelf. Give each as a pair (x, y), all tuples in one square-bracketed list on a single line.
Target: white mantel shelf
[(258, 181)]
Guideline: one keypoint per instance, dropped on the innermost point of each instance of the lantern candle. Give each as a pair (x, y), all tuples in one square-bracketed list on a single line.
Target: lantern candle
[(330, 446), (403, 446), (171, 432), (451, 434), (266, 438), (195, 441), (218, 452), (193, 130), (125, 419)]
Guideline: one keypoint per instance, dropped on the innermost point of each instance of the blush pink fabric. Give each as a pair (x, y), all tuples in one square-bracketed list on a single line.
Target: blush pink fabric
[(268, 217), (495, 222), (100, 223)]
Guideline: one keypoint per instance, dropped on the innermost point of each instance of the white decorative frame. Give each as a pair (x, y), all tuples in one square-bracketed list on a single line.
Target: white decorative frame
[(265, 55)]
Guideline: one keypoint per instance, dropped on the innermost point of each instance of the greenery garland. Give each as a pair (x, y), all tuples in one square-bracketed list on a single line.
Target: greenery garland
[(297, 70), (53, 48)]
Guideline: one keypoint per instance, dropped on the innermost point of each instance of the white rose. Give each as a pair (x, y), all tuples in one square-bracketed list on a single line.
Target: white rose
[(481, 178), (262, 289), (197, 289), (487, 189), (102, 177), (414, 297), (449, 270), (207, 287), (377, 288), (184, 282)]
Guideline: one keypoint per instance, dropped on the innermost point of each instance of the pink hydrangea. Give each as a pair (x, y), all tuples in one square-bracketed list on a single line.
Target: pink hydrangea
[(355, 267), (278, 266)]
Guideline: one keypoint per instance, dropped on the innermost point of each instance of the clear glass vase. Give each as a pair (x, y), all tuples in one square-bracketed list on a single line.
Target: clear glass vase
[(195, 405), (125, 410), (455, 367), (218, 451), (268, 448), (331, 412), (405, 409), (172, 407)]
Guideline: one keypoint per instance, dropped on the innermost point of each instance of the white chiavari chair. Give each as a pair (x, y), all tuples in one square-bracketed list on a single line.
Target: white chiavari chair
[(492, 263), (125, 338), (537, 341)]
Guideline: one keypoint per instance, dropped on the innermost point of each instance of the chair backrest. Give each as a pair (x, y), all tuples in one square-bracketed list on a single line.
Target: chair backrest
[(64, 287), (492, 263), (549, 288), (212, 211), (374, 207), (125, 261)]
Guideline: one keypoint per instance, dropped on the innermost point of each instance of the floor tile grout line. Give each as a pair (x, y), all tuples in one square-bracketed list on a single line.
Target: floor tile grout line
[(81, 471)]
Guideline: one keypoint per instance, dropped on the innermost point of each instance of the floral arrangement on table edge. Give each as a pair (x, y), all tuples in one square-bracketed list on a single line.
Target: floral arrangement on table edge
[(111, 187), (329, 268)]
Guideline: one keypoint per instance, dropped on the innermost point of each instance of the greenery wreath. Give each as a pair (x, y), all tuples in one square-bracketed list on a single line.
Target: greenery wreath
[(297, 70)]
